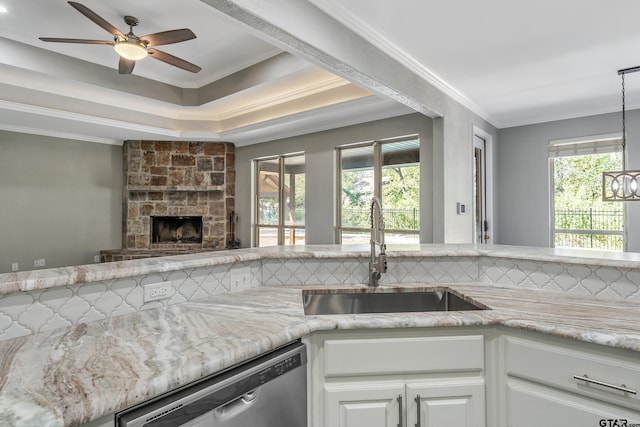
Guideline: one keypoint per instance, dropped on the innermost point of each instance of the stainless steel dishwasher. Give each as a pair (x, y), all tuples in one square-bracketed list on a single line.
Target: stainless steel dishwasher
[(268, 391)]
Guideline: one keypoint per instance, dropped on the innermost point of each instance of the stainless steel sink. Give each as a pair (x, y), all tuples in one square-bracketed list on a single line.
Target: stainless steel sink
[(355, 301)]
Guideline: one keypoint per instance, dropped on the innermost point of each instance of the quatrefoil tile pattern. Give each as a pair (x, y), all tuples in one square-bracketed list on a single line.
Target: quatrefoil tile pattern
[(603, 282), (336, 271), (315, 271), (25, 313), (431, 270)]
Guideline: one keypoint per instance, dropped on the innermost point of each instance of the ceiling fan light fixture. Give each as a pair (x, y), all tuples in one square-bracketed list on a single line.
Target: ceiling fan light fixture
[(130, 50)]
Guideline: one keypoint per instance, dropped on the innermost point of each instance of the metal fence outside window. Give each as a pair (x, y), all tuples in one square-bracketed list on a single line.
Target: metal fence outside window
[(589, 228), (394, 219)]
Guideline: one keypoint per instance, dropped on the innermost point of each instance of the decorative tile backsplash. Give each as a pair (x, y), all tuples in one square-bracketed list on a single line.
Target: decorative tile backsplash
[(431, 270), (24, 313), (315, 271), (603, 282)]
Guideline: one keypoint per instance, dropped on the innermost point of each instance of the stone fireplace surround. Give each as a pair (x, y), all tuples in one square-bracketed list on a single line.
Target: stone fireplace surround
[(175, 178)]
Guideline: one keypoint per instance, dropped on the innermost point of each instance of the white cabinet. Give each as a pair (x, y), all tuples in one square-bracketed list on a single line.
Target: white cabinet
[(446, 403), (425, 404), (363, 404), (543, 385), (371, 379), (499, 377)]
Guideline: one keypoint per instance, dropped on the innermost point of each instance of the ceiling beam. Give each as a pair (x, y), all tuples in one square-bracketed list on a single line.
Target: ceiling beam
[(301, 28)]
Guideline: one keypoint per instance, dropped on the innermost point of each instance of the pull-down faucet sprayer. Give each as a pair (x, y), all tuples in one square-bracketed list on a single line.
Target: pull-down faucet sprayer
[(377, 264)]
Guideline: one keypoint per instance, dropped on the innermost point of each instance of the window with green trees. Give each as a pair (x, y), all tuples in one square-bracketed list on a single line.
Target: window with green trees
[(580, 218), (389, 170)]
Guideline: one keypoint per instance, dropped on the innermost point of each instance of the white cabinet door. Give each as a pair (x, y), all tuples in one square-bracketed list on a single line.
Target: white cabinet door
[(364, 405), (457, 403)]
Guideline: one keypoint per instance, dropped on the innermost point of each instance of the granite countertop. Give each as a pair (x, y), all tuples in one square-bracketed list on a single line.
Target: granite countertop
[(71, 376)]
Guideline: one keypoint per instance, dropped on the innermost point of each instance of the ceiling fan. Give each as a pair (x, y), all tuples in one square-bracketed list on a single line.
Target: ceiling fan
[(130, 47)]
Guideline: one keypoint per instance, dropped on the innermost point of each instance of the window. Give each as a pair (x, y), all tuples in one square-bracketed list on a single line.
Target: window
[(280, 193), (579, 216), (389, 170)]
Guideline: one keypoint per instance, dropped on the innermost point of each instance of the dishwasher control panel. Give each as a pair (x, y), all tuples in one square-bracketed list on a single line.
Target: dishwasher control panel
[(279, 368)]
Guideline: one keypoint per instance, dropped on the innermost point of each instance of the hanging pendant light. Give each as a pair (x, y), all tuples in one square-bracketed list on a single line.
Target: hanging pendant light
[(624, 185)]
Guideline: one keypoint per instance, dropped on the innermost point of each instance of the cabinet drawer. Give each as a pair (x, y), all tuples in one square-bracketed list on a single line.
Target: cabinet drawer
[(403, 355), (533, 405), (557, 365)]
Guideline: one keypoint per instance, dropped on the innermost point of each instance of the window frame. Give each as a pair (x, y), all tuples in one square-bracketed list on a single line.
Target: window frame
[(582, 146), (377, 185), (281, 226)]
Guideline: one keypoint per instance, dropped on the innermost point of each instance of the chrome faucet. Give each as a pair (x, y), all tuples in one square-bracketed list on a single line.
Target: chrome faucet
[(377, 264)]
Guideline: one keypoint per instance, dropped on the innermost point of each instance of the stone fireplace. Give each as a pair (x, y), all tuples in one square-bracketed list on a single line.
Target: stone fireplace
[(178, 197)]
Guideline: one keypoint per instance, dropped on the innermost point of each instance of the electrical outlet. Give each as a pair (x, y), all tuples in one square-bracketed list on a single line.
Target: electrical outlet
[(38, 262), (96, 258), (239, 278), (157, 291), (14, 266)]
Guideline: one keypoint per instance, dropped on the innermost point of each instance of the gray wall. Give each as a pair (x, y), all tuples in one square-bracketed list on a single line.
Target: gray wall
[(319, 151), (61, 200), (523, 182)]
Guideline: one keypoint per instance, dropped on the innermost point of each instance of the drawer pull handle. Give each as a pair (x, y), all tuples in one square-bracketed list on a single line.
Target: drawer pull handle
[(418, 423), (622, 387), (399, 410)]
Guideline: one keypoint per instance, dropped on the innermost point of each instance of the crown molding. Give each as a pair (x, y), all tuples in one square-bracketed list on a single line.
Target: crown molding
[(58, 134), (282, 98)]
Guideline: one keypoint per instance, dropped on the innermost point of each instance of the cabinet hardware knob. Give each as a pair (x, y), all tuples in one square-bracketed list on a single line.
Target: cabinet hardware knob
[(622, 387)]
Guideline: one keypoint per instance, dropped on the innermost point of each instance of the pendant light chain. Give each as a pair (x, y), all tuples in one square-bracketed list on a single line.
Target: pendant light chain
[(624, 129)]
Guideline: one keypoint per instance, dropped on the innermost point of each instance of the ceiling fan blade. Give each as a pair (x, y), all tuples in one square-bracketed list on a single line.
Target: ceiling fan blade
[(96, 19), (81, 41), (125, 66), (168, 37), (173, 60)]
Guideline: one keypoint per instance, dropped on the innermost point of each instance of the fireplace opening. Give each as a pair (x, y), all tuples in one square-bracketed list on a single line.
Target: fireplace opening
[(176, 229)]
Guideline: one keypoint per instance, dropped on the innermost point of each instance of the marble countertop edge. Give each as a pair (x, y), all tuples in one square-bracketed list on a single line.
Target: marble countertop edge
[(63, 276)]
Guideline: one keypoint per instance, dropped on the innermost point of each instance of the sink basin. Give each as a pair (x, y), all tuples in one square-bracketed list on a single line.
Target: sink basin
[(355, 301)]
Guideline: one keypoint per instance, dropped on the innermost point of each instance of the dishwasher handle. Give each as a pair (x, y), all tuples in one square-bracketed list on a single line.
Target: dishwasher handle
[(236, 406)]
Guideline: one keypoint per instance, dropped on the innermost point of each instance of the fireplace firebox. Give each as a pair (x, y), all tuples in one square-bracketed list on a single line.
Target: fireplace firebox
[(176, 230)]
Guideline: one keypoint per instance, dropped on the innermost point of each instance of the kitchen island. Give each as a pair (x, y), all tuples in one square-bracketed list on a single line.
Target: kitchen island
[(78, 373)]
